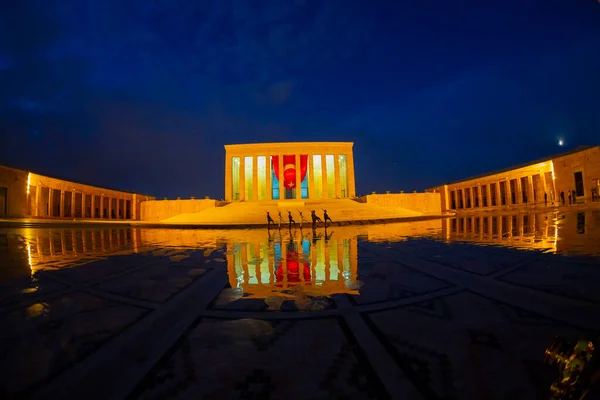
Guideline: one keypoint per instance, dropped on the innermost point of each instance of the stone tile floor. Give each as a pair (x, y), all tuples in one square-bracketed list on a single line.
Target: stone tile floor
[(432, 321)]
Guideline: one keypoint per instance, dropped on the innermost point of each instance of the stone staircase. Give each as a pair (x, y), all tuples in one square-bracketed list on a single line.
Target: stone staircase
[(254, 213)]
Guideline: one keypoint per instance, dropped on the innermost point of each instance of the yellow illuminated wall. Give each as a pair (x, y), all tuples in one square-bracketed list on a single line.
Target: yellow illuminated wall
[(235, 177), (261, 170), (248, 185), (343, 175), (317, 177), (329, 164)]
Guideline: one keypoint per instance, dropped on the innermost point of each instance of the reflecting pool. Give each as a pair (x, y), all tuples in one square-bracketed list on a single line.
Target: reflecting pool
[(229, 296)]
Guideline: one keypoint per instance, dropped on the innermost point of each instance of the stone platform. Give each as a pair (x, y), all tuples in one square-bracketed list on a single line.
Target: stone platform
[(342, 211)]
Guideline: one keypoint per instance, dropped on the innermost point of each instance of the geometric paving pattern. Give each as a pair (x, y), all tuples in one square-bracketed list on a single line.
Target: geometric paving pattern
[(432, 319), (254, 359)]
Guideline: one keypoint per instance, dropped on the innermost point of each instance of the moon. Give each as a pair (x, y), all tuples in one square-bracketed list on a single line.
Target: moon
[(560, 142)]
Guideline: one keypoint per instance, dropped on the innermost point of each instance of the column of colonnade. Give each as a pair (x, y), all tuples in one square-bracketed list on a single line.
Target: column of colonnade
[(526, 191), (311, 179), (47, 201)]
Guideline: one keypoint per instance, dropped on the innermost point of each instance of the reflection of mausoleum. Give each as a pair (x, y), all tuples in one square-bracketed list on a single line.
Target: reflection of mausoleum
[(316, 266), (283, 171)]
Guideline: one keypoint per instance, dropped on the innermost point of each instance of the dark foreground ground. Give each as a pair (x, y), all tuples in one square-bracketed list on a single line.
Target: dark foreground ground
[(433, 320)]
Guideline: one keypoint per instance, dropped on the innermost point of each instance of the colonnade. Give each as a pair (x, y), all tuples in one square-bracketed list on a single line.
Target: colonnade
[(523, 190), (52, 198)]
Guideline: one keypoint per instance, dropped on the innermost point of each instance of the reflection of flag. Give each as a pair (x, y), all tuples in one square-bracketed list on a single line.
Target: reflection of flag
[(289, 169)]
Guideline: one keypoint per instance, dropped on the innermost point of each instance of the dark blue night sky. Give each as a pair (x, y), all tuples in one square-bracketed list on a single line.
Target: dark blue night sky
[(142, 95)]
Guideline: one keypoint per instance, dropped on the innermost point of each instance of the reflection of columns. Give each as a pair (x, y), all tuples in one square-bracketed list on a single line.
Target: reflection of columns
[(311, 178), (324, 175), (269, 169), (336, 172), (62, 204), (298, 180)]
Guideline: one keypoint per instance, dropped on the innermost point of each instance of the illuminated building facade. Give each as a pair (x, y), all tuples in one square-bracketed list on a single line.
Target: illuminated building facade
[(289, 171), (541, 182), (25, 194)]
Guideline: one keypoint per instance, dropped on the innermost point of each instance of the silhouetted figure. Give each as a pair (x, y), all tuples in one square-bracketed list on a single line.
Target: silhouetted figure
[(315, 218), (269, 221), (291, 219), (280, 219), (546, 199), (302, 219), (569, 197), (574, 196), (562, 197), (326, 218)]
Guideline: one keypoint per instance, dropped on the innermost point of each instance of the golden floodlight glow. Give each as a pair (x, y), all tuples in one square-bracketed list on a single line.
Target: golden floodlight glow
[(28, 181), (552, 169)]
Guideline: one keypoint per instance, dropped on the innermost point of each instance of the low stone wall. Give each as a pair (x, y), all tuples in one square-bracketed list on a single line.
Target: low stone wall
[(157, 210), (426, 203)]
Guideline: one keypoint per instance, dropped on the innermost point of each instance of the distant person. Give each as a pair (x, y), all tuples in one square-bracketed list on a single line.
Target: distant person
[(562, 197), (569, 197), (574, 196), (302, 219), (291, 219), (280, 219), (546, 199), (326, 218), (269, 221), (315, 218)]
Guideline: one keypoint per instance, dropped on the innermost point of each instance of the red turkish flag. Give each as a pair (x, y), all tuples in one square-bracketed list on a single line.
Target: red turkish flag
[(289, 169)]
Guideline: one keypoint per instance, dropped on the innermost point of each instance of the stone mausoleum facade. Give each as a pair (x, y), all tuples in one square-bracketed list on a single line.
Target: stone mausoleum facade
[(25, 194), (289, 171), (542, 182)]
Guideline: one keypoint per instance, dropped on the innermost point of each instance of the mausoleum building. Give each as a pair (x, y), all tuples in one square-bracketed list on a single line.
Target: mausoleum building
[(289, 171)]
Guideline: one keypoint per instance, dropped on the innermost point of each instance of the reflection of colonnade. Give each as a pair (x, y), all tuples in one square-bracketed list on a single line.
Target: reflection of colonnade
[(576, 232), (49, 197), (318, 266)]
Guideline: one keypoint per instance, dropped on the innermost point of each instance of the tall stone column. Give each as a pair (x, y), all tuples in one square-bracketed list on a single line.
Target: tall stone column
[(255, 177), (350, 174), (118, 208), (298, 176), (489, 194), (50, 205), (479, 196), (92, 208), (531, 190), (38, 193), (280, 178), (336, 174), (62, 204), (242, 178), (269, 184), (73, 198), (463, 198), (228, 185), (324, 173), (101, 208), (519, 195), (311, 178)]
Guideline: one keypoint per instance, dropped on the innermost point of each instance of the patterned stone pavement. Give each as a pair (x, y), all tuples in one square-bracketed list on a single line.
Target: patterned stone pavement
[(421, 319)]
